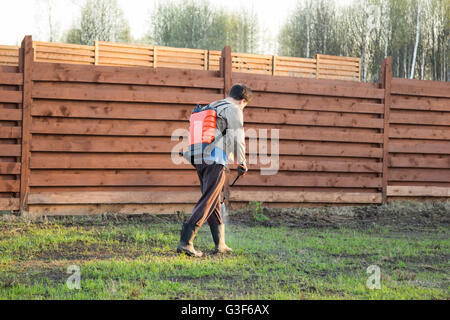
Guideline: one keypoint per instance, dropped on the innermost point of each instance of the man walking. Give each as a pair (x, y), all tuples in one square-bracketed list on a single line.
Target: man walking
[(211, 170)]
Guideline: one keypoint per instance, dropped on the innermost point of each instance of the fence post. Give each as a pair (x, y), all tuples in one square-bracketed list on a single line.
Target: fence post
[(26, 66), (385, 83), (226, 74)]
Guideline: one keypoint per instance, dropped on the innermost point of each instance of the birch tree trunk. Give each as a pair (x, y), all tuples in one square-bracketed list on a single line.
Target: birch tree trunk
[(417, 40), (308, 39)]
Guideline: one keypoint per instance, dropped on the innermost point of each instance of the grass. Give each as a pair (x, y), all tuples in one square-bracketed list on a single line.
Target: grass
[(134, 258)]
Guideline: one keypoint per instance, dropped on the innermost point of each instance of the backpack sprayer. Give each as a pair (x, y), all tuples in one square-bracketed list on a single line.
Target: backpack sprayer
[(202, 127)]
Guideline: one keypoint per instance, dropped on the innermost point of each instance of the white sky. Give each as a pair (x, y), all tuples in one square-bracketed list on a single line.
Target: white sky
[(21, 17)]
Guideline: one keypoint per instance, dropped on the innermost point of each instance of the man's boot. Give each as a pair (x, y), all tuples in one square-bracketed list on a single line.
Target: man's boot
[(218, 234), (186, 244)]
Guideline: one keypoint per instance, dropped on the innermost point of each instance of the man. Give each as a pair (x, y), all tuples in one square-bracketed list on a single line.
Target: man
[(229, 141)]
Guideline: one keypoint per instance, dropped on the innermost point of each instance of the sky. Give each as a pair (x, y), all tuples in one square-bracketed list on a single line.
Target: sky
[(23, 17)]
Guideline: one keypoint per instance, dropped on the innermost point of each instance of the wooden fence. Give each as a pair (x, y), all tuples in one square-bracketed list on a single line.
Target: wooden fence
[(119, 54), (98, 138)]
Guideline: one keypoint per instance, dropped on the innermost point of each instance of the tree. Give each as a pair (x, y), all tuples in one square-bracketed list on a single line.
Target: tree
[(48, 29), (416, 35), (417, 40), (101, 20), (196, 24)]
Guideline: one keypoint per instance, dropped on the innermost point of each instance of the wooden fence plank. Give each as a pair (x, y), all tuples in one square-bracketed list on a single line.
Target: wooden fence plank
[(322, 197), (164, 145), (163, 161), (9, 167), (10, 150), (423, 88), (419, 147), (127, 75), (417, 191), (10, 132), (9, 204), (11, 78), (422, 103), (166, 129), (316, 120), (113, 197), (119, 110), (433, 119), (419, 133), (418, 162), (10, 96), (90, 209), (307, 88), (123, 95), (10, 114), (169, 179), (414, 174), (9, 186)]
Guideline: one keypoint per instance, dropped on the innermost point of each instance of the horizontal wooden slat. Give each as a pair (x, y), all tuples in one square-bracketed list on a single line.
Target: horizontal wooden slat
[(170, 179), (313, 120), (90, 209), (418, 191), (293, 196), (303, 87), (9, 203), (113, 197), (9, 185), (427, 119), (414, 174), (422, 103), (165, 145), (423, 88), (126, 75), (11, 114), (9, 167), (419, 133), (167, 129), (7, 96), (163, 161), (123, 95), (61, 45), (10, 132), (420, 147), (418, 162), (10, 150), (11, 78), (43, 56)]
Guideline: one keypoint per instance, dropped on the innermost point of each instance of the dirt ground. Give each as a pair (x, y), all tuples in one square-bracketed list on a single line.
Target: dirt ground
[(403, 215)]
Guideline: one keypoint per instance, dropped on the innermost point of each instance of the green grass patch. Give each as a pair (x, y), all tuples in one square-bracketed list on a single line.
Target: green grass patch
[(136, 259)]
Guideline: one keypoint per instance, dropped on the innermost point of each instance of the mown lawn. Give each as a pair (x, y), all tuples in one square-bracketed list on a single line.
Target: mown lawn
[(134, 258)]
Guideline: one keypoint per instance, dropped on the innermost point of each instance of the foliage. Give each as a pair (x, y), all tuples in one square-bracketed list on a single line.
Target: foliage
[(101, 20), (258, 214), (196, 24), (372, 30)]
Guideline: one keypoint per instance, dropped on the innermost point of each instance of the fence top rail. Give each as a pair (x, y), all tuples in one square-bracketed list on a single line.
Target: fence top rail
[(113, 53)]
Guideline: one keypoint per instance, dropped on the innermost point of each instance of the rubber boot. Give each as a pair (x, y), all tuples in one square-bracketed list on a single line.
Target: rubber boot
[(186, 244), (218, 234)]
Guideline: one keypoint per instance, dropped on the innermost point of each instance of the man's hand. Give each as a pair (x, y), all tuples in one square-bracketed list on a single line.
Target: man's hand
[(242, 169)]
